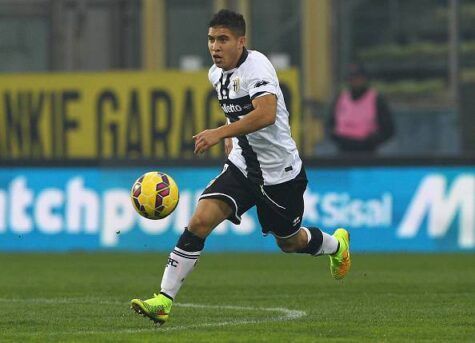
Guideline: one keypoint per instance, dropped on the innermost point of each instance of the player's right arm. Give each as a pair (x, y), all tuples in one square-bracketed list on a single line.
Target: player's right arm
[(263, 115)]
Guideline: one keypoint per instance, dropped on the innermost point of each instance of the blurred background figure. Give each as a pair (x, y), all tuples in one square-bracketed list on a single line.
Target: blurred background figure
[(360, 119)]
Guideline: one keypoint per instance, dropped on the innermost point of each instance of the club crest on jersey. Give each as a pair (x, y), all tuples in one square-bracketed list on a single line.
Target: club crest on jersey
[(236, 84)]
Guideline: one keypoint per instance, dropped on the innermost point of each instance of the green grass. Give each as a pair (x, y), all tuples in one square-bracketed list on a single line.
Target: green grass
[(386, 298)]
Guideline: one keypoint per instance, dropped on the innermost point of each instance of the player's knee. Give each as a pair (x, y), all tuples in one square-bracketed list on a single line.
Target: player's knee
[(199, 225), (287, 246)]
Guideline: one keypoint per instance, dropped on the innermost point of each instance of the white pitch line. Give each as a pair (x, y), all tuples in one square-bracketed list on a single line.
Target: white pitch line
[(85, 300), (285, 314)]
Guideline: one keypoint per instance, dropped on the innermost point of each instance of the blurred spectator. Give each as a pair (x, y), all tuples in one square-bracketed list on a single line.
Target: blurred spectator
[(360, 119)]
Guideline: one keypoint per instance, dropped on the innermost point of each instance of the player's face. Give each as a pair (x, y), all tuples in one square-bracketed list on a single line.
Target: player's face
[(225, 47), (358, 82)]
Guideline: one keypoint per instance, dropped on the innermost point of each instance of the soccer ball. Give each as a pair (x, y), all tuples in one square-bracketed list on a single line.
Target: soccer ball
[(154, 195)]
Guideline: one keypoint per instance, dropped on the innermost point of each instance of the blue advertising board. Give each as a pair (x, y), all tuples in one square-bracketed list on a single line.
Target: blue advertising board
[(427, 209)]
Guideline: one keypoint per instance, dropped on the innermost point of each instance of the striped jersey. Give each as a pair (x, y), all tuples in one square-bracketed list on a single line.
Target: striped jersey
[(268, 156)]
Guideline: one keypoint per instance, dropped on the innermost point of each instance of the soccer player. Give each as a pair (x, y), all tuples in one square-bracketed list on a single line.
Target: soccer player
[(263, 168)]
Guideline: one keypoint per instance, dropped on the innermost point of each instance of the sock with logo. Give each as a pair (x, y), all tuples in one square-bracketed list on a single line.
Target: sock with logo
[(319, 242), (181, 262)]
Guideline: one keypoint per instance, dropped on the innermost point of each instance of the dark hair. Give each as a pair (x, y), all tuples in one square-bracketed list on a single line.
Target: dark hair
[(356, 69), (231, 20)]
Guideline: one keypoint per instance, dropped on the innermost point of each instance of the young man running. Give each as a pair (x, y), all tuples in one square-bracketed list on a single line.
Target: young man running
[(263, 167)]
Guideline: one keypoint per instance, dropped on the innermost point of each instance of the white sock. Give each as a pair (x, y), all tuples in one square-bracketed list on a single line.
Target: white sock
[(329, 245), (309, 234), (180, 264)]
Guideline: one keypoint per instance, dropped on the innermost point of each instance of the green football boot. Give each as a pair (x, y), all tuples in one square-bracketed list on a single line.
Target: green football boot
[(340, 262), (157, 308)]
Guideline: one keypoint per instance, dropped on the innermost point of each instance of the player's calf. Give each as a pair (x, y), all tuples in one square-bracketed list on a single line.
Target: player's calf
[(294, 243)]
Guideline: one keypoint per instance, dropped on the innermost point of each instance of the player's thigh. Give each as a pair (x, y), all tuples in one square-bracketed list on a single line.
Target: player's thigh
[(281, 208), (208, 214), (231, 187), (281, 222)]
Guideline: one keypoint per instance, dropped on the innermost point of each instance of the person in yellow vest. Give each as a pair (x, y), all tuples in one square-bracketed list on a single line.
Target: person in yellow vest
[(360, 118)]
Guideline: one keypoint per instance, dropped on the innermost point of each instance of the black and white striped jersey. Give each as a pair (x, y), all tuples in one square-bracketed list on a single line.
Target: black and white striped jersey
[(268, 156)]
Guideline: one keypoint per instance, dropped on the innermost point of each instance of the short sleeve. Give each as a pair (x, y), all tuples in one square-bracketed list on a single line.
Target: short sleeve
[(261, 80)]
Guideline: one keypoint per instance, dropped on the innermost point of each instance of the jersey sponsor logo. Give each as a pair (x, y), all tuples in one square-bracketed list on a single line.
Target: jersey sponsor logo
[(234, 108), (231, 108)]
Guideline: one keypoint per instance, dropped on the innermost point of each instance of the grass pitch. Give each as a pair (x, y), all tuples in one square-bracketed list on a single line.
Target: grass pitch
[(239, 298)]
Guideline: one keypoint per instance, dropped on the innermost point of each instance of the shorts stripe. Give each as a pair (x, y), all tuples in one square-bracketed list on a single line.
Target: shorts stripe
[(268, 197), (212, 195), (283, 237)]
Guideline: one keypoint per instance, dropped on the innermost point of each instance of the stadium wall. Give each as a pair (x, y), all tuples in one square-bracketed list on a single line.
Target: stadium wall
[(115, 115), (387, 209)]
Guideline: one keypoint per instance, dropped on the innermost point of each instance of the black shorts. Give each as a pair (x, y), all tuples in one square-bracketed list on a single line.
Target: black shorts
[(279, 207)]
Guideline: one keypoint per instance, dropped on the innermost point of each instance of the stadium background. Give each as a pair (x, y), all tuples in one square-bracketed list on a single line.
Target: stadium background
[(95, 93)]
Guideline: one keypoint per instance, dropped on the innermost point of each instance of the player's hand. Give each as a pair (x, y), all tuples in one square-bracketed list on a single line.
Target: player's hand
[(205, 140), (228, 145)]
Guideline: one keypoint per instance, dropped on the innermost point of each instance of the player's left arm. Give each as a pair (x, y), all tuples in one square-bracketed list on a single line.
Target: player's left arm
[(263, 115)]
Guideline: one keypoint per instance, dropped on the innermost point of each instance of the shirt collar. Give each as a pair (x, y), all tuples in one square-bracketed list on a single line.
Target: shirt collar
[(241, 60), (243, 57)]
